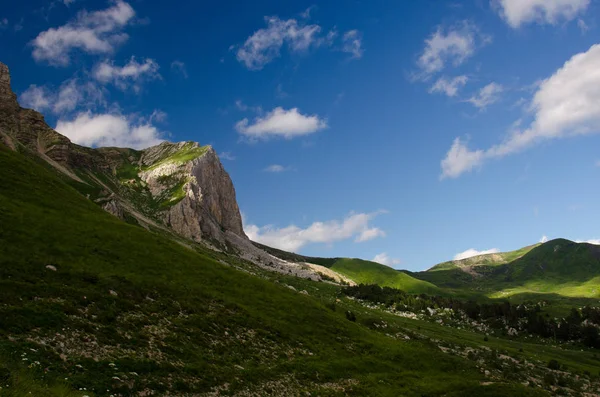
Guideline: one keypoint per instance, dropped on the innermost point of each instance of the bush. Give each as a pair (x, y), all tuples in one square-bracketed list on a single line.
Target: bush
[(554, 365), (350, 316)]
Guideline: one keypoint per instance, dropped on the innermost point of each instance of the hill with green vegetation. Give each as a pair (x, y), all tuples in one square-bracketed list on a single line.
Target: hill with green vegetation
[(500, 258), (556, 269), (367, 272), (362, 271), (90, 303)]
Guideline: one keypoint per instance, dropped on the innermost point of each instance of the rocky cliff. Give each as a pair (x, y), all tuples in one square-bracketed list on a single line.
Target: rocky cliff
[(181, 186), (180, 189)]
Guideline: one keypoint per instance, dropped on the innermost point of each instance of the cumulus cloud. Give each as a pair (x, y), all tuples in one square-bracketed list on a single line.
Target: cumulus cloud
[(35, 97), (265, 45), (292, 238), (352, 44), (385, 259), (452, 45), (179, 67), (369, 234), (280, 122), (101, 130), (95, 32), (448, 86), (470, 253), (519, 12), (71, 94), (460, 159), (564, 105), (544, 239), (133, 74), (487, 96)]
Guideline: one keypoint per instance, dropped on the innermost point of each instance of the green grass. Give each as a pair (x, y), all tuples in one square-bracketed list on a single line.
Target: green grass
[(366, 272), (128, 310), (555, 271), (486, 260), (187, 153)]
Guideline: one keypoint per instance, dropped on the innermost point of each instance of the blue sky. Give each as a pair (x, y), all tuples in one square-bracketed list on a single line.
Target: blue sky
[(406, 132)]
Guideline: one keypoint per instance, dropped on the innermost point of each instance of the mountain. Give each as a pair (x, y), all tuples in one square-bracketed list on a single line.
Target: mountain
[(182, 186), (560, 267), (92, 305), (178, 189), (359, 271)]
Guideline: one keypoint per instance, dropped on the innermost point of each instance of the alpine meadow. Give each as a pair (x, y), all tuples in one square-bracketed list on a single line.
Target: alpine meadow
[(299, 198)]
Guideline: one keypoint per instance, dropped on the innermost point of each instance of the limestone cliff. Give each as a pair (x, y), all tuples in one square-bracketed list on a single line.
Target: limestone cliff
[(180, 186)]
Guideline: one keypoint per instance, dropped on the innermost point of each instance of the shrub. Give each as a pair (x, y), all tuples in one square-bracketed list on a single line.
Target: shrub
[(350, 316), (554, 365)]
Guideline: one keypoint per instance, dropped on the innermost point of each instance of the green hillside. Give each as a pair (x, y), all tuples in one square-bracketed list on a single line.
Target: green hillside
[(90, 305), (366, 272), (362, 271), (558, 268), (484, 260)]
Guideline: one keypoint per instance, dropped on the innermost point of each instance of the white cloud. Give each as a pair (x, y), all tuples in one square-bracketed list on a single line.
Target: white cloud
[(276, 168), (487, 96), (544, 239), (519, 12), (593, 242), (453, 45), (95, 32), (352, 44), (265, 44), (565, 105), (280, 122), (385, 259), (35, 97), (473, 252), (292, 238), (582, 26), (132, 74), (460, 159), (180, 67), (227, 156), (101, 130), (369, 234), (447, 86), (71, 94)]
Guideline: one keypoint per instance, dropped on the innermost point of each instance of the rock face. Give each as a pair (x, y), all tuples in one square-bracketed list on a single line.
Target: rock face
[(204, 202), (181, 186)]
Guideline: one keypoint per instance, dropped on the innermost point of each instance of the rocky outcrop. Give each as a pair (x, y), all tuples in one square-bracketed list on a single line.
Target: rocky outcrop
[(179, 188), (190, 190)]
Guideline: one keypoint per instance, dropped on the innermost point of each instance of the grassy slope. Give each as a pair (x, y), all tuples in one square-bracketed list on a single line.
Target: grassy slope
[(366, 272), (177, 320), (555, 270), (486, 260), (362, 272)]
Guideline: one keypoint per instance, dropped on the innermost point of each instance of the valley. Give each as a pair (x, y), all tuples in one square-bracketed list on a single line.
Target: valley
[(128, 273)]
